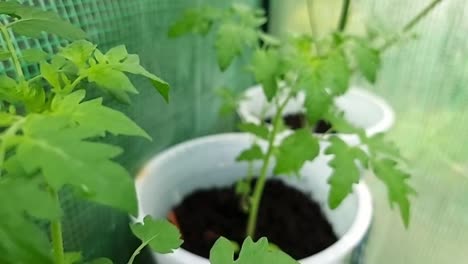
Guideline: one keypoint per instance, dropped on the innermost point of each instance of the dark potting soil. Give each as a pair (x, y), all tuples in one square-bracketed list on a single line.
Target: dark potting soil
[(298, 121), (287, 217)]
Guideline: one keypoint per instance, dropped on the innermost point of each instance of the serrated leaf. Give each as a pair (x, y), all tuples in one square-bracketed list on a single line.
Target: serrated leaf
[(258, 252), (346, 172), (368, 61), (257, 130), (160, 235), (4, 55), (132, 65), (111, 80), (317, 99), (78, 52), (65, 157), (34, 55), (231, 40), (22, 241), (334, 73), (396, 181), (266, 67), (29, 197), (379, 146), (196, 21), (250, 154), (32, 21), (295, 150), (94, 117), (117, 54), (51, 75)]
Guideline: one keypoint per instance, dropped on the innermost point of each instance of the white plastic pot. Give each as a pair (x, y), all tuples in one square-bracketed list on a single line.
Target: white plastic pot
[(210, 161), (361, 108)]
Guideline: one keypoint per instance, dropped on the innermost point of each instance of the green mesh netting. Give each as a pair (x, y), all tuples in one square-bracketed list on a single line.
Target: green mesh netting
[(188, 64)]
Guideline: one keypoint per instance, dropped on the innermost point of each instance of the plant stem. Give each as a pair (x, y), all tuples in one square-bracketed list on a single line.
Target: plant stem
[(56, 235), (344, 15), (413, 22), (136, 252), (5, 136), (313, 29), (11, 49), (260, 184)]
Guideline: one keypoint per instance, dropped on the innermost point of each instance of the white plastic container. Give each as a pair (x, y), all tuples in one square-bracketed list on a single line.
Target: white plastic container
[(210, 161), (361, 108)]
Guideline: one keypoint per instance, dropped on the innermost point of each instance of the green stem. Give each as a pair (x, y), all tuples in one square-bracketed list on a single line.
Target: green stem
[(140, 248), (56, 235), (75, 83), (413, 22), (11, 49), (344, 15), (11, 131), (313, 29), (260, 184), (136, 252)]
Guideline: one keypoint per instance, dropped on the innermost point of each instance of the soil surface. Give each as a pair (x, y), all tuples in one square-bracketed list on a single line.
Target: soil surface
[(298, 120), (287, 217)]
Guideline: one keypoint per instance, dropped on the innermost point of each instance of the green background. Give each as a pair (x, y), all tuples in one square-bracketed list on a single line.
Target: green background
[(424, 80)]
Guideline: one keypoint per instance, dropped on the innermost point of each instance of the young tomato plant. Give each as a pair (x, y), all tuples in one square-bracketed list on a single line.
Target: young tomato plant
[(321, 70), (50, 131)]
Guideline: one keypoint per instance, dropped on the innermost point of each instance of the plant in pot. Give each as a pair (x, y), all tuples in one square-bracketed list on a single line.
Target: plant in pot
[(330, 166), (50, 138)]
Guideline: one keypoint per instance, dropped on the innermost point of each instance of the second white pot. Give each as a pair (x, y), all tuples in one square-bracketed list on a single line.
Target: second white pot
[(361, 108), (210, 161)]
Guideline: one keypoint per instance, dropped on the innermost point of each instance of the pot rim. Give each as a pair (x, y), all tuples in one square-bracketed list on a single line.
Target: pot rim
[(343, 246), (387, 121)]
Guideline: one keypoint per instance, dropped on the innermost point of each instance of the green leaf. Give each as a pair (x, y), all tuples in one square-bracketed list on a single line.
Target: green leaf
[(231, 39), (9, 89), (229, 100), (34, 55), (51, 75), (4, 55), (29, 196), (295, 150), (22, 241), (258, 252), (117, 54), (78, 52), (65, 157), (266, 67), (334, 73), (368, 61), (73, 257), (317, 99), (346, 172), (32, 21), (113, 81), (258, 130), (396, 181), (253, 153), (6, 119), (132, 65), (160, 235), (381, 147), (94, 117), (196, 21)]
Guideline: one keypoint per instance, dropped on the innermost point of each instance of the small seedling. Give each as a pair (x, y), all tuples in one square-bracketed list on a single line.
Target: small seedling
[(320, 69), (50, 137)]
